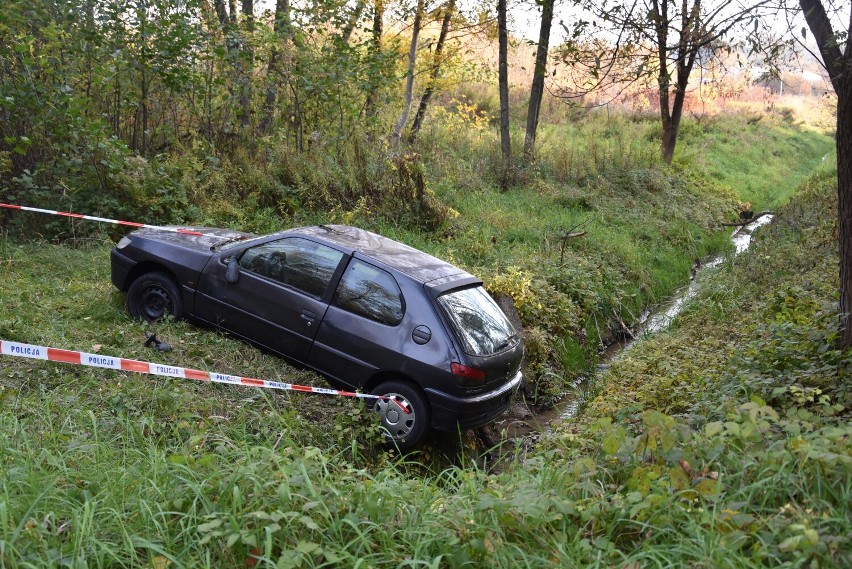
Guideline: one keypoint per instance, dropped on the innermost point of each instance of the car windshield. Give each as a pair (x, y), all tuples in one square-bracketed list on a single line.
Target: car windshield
[(479, 323)]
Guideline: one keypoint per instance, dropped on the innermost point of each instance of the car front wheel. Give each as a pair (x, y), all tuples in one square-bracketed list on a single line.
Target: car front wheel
[(404, 413), (154, 296)]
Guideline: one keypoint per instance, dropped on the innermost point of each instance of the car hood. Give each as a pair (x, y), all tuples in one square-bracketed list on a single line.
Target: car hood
[(209, 236)]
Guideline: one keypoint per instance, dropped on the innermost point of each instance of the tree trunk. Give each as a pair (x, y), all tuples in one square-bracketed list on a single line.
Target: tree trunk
[(236, 72), (537, 88), (281, 28), (503, 83), (661, 22), (378, 24), (143, 100), (687, 51), (221, 12), (378, 31), (143, 103), (839, 67), (409, 80), (90, 31), (346, 33), (246, 65), (671, 120), (449, 10), (844, 205)]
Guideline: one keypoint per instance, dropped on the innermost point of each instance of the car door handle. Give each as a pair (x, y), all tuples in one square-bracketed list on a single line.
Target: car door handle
[(309, 316)]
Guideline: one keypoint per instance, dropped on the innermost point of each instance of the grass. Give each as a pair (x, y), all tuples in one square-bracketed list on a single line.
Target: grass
[(706, 446), (761, 162), (754, 391)]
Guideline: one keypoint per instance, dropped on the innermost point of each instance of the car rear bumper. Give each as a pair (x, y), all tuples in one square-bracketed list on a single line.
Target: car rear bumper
[(450, 412)]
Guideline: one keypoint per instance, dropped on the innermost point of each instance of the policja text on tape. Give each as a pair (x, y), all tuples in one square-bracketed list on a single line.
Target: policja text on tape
[(34, 352)]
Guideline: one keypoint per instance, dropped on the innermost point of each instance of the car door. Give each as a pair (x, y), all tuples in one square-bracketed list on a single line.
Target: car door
[(281, 295), (361, 330)]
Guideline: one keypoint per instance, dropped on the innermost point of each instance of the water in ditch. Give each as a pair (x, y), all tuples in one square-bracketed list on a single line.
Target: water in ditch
[(654, 320)]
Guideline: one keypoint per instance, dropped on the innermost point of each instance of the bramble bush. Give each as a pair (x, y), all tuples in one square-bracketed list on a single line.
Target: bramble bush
[(664, 478), (548, 317)]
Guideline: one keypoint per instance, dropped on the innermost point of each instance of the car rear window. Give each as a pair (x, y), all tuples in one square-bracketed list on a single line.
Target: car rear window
[(479, 323)]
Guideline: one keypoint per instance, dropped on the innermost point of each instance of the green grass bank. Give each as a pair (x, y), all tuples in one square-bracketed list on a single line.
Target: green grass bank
[(724, 442), (644, 224)]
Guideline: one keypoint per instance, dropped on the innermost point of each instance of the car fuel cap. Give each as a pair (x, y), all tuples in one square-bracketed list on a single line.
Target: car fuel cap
[(421, 335)]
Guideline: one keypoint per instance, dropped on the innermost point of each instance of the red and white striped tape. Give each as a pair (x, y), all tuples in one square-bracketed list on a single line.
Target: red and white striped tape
[(102, 219), (109, 362)]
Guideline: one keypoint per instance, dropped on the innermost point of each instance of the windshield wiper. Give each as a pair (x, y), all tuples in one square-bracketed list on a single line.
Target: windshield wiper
[(506, 343), (226, 241)]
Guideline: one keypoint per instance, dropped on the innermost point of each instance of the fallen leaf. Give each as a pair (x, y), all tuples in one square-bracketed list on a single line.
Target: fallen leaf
[(255, 553)]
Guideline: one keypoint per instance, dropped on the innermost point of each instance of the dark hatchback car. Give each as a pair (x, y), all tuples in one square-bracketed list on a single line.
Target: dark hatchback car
[(367, 312)]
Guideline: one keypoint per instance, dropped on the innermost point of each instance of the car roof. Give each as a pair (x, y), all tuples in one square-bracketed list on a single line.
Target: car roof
[(405, 259)]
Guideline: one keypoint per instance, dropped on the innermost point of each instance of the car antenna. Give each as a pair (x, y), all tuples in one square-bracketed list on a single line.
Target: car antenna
[(329, 229)]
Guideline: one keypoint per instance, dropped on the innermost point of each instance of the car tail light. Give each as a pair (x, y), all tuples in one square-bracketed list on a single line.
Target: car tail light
[(467, 376)]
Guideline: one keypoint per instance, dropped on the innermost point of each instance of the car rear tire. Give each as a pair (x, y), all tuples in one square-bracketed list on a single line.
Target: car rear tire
[(405, 414), (153, 296)]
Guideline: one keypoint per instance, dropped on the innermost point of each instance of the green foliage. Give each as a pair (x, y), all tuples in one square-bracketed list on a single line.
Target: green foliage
[(551, 322), (760, 161), (724, 442), (752, 456), (666, 479), (538, 302), (687, 466), (796, 359)]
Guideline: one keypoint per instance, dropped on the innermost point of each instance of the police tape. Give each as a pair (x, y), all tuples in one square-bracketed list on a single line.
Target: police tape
[(109, 362), (101, 219)]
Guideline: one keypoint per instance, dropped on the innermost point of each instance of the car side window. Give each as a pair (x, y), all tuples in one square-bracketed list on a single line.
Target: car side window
[(296, 262), (370, 292)]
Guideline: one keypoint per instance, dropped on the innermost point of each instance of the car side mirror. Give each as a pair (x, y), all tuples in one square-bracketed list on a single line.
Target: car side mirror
[(232, 273)]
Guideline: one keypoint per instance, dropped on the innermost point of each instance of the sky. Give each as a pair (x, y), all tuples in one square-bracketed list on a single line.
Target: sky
[(524, 17)]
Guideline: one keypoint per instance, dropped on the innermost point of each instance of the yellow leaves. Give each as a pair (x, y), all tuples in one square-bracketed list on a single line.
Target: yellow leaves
[(662, 427), (707, 488), (159, 562), (439, 505), (5, 162), (756, 411), (642, 478), (613, 440), (679, 479), (514, 282), (713, 428), (462, 114), (584, 467), (730, 520), (807, 539)]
